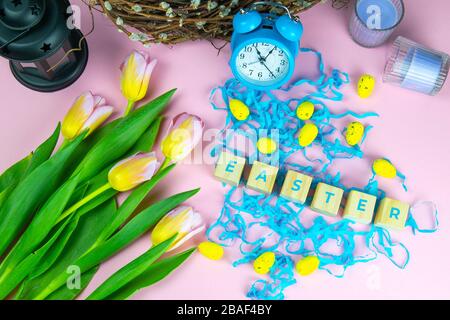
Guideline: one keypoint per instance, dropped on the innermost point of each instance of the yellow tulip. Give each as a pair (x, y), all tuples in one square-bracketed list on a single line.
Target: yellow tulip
[(183, 221), (185, 133), (136, 72), (129, 173), (124, 176), (88, 112)]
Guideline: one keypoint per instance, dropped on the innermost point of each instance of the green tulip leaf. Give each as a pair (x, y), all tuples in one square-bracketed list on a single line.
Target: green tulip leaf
[(129, 206), (153, 274), (32, 192), (130, 271), (5, 194), (44, 151), (56, 262), (16, 172), (12, 176), (148, 139), (10, 282), (135, 228), (66, 293), (39, 227)]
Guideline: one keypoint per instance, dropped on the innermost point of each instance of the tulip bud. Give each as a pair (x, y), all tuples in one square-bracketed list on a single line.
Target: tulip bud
[(182, 221), (129, 173), (136, 72), (87, 113), (184, 134)]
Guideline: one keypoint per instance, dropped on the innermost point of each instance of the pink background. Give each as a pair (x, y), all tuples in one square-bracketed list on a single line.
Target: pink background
[(413, 131)]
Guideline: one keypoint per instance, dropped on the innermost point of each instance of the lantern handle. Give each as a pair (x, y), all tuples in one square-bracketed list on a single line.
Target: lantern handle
[(14, 39), (80, 43)]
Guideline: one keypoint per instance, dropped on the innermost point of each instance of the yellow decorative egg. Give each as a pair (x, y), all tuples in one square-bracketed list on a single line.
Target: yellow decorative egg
[(307, 134), (384, 168), (239, 110), (266, 145), (264, 262), (305, 110), (211, 250), (307, 265), (354, 133), (365, 85)]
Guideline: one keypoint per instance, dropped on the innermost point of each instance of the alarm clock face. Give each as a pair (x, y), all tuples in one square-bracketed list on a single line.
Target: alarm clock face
[(262, 64)]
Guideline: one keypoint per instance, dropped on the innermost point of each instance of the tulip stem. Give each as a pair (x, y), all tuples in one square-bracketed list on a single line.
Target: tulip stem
[(64, 144), (165, 164), (83, 201), (129, 108)]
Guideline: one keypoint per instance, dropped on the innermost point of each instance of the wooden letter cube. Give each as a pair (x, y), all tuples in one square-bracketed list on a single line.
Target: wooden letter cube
[(296, 186), (327, 199), (262, 177), (229, 168), (392, 214), (360, 207)]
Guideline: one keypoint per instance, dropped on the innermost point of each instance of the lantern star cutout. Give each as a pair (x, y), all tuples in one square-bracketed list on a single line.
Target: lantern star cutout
[(46, 47), (17, 3), (35, 10)]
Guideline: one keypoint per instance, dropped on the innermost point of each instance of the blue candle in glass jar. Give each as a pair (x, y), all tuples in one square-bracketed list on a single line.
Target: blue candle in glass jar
[(373, 21), (415, 67)]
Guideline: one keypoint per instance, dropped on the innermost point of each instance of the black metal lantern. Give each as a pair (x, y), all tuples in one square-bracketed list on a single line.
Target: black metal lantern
[(36, 38)]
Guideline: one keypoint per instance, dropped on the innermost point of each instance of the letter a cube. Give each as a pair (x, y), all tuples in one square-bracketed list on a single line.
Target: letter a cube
[(262, 177)]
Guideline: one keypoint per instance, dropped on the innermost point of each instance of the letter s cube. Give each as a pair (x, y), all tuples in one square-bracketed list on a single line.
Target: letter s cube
[(296, 186)]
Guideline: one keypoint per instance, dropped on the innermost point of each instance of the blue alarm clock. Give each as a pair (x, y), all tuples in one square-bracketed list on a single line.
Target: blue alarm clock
[(264, 46)]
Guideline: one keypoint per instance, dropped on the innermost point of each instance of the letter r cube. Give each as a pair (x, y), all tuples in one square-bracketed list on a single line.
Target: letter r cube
[(392, 214)]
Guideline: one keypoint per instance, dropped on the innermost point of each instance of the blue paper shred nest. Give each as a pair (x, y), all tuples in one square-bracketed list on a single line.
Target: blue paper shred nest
[(287, 232)]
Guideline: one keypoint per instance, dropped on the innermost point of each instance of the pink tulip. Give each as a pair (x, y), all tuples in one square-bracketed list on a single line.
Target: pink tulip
[(136, 72), (88, 112), (183, 221), (129, 173), (184, 134)]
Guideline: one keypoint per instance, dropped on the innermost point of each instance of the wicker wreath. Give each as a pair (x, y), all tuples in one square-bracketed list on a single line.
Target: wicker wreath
[(170, 22)]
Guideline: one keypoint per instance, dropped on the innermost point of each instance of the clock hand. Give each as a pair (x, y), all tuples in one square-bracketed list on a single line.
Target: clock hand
[(268, 69), (270, 52), (259, 55)]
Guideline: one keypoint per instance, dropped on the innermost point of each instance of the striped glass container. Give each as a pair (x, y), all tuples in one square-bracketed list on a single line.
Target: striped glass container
[(415, 67)]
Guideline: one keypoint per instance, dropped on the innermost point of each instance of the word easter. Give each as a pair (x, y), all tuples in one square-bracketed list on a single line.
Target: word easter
[(225, 309), (327, 199)]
